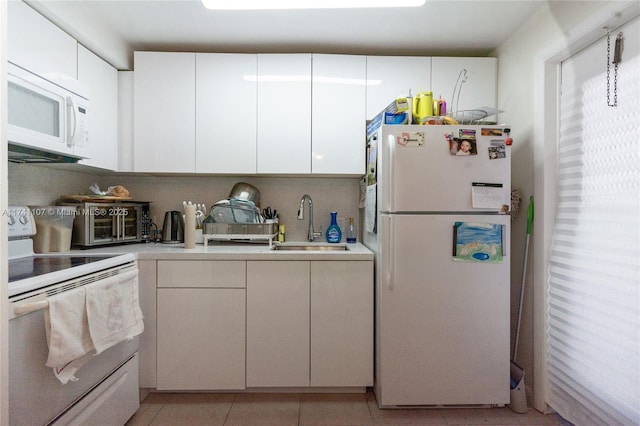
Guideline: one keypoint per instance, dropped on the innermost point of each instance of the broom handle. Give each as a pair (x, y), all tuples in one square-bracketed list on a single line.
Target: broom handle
[(524, 275)]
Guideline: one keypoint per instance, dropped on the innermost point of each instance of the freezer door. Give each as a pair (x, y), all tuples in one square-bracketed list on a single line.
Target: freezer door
[(443, 326), (418, 171)]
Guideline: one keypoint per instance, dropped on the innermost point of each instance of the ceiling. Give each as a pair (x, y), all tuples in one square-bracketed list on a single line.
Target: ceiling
[(458, 28)]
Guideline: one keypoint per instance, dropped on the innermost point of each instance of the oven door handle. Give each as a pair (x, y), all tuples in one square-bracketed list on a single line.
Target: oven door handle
[(27, 308)]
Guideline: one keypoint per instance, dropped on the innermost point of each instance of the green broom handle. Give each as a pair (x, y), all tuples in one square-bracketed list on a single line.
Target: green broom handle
[(530, 215)]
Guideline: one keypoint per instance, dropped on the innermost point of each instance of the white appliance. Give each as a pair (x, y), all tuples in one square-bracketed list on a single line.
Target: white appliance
[(48, 120), (106, 391), (435, 221)]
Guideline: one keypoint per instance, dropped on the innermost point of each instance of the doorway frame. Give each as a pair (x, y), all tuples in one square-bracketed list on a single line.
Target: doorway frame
[(545, 137)]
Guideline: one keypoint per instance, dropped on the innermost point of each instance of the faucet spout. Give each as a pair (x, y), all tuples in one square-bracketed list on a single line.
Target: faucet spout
[(306, 197)]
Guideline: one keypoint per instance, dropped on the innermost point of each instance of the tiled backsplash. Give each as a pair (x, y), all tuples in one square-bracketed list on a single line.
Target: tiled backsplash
[(43, 185)]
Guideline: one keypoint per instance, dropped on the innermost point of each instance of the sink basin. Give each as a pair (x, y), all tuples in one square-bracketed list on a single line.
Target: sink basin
[(311, 247)]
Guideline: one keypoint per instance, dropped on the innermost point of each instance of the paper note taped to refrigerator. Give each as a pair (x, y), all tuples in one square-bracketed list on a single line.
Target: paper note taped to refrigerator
[(487, 195)]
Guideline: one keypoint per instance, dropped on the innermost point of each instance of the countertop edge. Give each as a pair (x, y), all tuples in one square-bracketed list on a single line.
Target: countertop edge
[(157, 251)]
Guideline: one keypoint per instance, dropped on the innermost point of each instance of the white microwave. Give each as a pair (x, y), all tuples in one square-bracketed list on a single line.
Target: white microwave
[(46, 117)]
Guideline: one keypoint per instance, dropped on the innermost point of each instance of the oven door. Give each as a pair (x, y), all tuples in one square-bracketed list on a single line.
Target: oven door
[(36, 397)]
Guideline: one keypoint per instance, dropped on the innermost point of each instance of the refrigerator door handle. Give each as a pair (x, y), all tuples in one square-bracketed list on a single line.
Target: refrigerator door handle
[(391, 252)]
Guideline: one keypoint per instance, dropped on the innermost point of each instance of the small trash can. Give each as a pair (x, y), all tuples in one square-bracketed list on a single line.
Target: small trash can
[(518, 401)]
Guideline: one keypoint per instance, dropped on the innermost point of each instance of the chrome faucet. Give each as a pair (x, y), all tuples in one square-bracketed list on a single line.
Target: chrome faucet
[(312, 235)]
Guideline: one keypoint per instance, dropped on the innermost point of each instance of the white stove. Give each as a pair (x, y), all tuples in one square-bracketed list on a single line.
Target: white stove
[(108, 380), (29, 271)]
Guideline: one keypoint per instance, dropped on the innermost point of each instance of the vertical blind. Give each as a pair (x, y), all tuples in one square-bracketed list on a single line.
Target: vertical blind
[(593, 317)]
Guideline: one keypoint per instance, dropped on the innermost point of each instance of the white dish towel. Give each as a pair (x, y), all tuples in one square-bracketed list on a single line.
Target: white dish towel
[(87, 320), (113, 310), (67, 330)]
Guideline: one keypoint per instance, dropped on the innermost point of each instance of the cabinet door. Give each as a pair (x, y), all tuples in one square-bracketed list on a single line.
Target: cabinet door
[(164, 112), (202, 273), (125, 121), (102, 81), (277, 323), (38, 45), (342, 323), (147, 341), (477, 91), (389, 77), (338, 123), (225, 113), (284, 113), (201, 339)]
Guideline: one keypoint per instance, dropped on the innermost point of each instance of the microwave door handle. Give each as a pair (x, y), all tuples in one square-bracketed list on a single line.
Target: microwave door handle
[(71, 105)]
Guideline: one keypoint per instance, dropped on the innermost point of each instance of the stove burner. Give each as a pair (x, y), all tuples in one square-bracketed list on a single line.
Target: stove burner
[(28, 267)]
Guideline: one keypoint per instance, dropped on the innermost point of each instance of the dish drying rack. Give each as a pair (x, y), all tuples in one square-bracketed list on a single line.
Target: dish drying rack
[(240, 232), (469, 116)]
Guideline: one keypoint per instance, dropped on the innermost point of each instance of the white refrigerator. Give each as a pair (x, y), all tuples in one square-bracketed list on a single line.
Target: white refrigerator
[(436, 217)]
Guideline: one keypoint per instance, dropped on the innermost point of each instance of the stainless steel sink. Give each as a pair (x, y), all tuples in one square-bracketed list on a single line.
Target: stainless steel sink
[(311, 247)]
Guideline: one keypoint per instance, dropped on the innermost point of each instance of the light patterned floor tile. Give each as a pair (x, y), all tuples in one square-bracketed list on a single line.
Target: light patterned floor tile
[(334, 409), (404, 416), (264, 409), (145, 415), (497, 416), (192, 414)]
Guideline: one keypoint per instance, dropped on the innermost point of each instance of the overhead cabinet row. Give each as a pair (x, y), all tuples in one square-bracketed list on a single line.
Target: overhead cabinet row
[(245, 113), (281, 113)]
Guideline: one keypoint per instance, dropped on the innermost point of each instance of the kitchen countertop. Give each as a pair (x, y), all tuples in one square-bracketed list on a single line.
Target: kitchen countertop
[(230, 251)]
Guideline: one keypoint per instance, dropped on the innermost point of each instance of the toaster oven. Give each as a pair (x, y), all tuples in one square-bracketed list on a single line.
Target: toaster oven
[(100, 223)]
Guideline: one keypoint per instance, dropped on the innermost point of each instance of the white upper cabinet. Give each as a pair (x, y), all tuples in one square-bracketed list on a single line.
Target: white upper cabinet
[(164, 110), (284, 113), (225, 113), (338, 124), (125, 121), (389, 77), (102, 81), (38, 45), (473, 79)]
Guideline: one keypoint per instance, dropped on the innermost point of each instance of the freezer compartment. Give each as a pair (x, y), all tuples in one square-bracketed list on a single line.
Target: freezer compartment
[(419, 173), (443, 325)]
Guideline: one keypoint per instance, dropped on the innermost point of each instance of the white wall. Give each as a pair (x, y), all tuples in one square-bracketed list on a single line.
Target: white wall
[(556, 25)]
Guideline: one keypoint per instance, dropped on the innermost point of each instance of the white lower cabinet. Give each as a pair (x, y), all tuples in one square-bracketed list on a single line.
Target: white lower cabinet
[(341, 323), (309, 323), (147, 340), (277, 323), (297, 323), (201, 325)]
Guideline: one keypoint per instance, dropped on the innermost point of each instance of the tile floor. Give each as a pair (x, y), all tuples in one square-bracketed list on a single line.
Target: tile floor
[(281, 409)]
